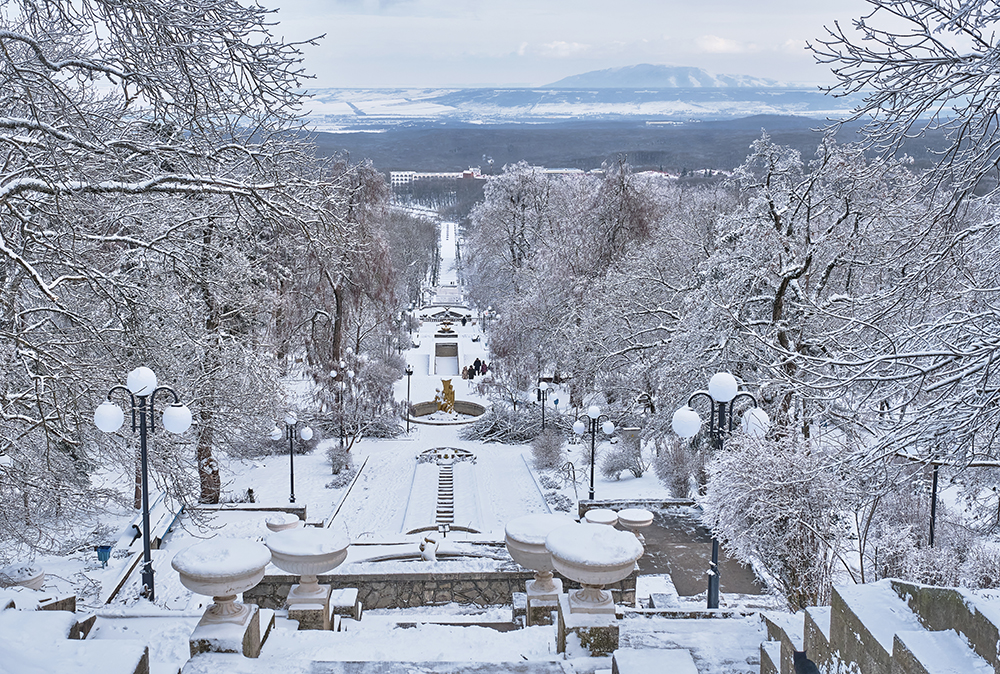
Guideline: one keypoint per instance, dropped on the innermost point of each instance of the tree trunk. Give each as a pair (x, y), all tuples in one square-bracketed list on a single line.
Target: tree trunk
[(208, 467)]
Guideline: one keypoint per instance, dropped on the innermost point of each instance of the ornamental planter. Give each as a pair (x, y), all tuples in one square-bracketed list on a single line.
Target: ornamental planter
[(593, 555), (221, 569)]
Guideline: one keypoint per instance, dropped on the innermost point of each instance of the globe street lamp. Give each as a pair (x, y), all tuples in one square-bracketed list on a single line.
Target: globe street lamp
[(723, 392), (305, 433), (592, 418), (142, 389), (543, 394), (409, 374)]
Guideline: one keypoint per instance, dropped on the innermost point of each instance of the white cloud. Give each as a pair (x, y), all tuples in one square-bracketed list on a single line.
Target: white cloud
[(713, 44), (560, 49), (796, 47)]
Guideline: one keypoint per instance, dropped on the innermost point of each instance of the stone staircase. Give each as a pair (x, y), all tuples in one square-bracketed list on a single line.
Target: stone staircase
[(53, 641), (445, 511), (890, 627)]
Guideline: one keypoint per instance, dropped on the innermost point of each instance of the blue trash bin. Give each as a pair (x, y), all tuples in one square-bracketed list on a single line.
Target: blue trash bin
[(103, 553)]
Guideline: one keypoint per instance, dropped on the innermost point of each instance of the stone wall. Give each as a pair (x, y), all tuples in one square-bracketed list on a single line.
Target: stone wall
[(621, 504), (407, 590)]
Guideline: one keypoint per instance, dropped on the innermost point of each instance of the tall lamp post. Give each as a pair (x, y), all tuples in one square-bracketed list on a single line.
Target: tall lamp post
[(409, 374), (543, 395), (305, 433), (581, 425), (723, 392), (141, 387)]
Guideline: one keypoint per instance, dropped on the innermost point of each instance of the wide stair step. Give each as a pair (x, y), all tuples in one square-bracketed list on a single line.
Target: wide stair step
[(890, 627), (649, 660)]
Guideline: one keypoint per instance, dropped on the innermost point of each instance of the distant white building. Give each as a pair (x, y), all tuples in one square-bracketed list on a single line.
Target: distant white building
[(397, 178)]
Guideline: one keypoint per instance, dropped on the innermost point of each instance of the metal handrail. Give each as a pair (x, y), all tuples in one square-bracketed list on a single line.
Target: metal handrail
[(571, 475)]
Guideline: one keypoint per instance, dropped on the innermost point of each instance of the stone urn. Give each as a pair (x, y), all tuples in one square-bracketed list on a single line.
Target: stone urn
[(23, 574), (222, 568), (525, 538), (601, 516), (634, 519), (307, 552), (282, 521), (593, 555)]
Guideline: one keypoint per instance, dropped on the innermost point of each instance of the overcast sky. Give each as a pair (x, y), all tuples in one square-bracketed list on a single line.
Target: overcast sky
[(431, 43)]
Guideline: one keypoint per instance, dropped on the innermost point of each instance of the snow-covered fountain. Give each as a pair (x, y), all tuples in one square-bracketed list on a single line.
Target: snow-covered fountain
[(223, 568), (525, 537), (308, 552)]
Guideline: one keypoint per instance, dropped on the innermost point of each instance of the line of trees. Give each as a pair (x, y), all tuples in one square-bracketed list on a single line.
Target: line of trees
[(855, 297), (160, 206)]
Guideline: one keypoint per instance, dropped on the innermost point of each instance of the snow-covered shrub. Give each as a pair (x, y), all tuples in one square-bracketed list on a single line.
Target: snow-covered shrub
[(676, 464), (778, 503), (547, 451), (343, 478), (548, 481), (383, 426), (558, 501), (501, 424), (933, 566), (982, 567), (624, 455), (340, 459)]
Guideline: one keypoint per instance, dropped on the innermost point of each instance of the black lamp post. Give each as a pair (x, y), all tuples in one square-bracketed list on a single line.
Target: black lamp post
[(142, 389), (409, 374), (722, 394), (305, 433), (543, 395), (581, 425)]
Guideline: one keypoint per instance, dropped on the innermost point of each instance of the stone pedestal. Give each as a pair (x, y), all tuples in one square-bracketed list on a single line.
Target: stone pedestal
[(243, 637), (310, 616), (542, 603), (312, 612), (598, 632)]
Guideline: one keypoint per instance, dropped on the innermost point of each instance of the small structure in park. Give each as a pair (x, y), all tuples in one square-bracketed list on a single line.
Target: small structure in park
[(307, 552), (445, 397), (222, 569), (593, 555), (525, 537)]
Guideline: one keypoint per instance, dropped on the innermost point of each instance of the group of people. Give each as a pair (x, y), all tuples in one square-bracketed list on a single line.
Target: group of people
[(477, 368)]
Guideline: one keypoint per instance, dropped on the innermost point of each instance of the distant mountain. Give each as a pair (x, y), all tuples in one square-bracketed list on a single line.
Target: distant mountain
[(648, 76)]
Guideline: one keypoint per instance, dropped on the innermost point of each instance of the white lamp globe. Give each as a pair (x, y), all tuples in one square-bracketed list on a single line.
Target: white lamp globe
[(686, 422), (306, 433), (141, 381), (593, 411), (722, 387), (579, 427), (333, 374), (608, 428), (177, 418), (756, 422), (543, 386), (276, 434), (290, 418), (108, 417)]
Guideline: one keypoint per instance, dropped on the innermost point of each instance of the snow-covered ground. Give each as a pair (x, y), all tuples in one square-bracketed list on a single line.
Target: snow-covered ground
[(392, 494)]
